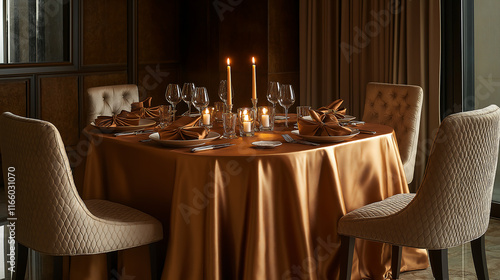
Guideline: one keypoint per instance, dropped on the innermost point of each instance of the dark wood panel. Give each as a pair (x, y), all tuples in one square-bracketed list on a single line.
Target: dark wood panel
[(153, 81), (59, 105), (14, 96), (158, 31), (104, 37), (284, 36)]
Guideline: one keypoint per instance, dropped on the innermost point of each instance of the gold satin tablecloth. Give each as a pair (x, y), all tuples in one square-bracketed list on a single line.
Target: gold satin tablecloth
[(247, 213)]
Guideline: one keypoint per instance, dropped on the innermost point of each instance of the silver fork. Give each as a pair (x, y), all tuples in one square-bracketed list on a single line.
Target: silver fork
[(289, 139)]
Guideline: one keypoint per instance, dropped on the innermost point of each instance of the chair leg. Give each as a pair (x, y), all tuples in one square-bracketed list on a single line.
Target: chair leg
[(112, 264), (58, 268), (156, 260), (396, 261), (22, 261), (346, 253), (439, 263), (479, 257)]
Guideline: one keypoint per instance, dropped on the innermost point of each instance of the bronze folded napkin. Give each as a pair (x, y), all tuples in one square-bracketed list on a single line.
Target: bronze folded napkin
[(183, 129), (321, 125), (122, 119), (333, 109), (143, 109)]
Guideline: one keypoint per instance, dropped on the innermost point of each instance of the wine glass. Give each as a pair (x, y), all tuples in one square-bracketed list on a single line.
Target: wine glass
[(187, 92), (173, 95), (286, 99), (273, 92), (223, 91), (200, 98)]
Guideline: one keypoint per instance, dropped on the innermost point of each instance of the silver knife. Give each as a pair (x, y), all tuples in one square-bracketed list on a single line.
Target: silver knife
[(367, 131), (137, 132), (211, 147)]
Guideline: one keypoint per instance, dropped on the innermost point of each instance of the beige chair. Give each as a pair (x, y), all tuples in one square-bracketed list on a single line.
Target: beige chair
[(110, 100), (51, 217), (451, 207), (398, 106)]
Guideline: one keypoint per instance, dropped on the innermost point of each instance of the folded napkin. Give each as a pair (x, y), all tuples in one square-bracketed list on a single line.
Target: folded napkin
[(143, 109), (321, 125), (333, 109), (183, 129), (122, 119)]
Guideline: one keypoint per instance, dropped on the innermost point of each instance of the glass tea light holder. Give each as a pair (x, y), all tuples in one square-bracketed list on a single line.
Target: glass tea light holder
[(208, 117), (229, 124), (219, 110), (246, 117), (265, 118)]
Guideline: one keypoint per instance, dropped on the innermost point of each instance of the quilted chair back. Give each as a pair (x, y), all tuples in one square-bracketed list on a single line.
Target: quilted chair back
[(452, 206), (48, 209), (110, 100), (400, 107)]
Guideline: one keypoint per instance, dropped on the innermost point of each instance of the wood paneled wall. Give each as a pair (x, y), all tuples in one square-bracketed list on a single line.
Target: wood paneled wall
[(173, 42), (59, 96)]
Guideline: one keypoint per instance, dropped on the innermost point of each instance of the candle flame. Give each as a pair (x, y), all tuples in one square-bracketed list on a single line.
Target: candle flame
[(228, 62), (264, 111), (207, 111), (253, 60), (246, 118)]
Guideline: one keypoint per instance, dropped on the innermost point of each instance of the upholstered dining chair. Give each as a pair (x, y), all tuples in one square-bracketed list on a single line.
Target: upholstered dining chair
[(51, 217), (110, 100), (452, 205), (400, 107)]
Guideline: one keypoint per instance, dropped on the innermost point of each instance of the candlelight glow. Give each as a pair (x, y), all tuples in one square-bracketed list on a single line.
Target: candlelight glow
[(264, 111), (246, 118), (228, 62), (253, 60), (206, 111)]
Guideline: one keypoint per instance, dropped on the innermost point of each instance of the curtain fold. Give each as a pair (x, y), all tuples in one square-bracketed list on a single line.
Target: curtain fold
[(347, 43)]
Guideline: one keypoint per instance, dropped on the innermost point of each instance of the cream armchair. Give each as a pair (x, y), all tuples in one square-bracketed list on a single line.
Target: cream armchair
[(110, 100), (51, 217), (398, 106), (451, 207)]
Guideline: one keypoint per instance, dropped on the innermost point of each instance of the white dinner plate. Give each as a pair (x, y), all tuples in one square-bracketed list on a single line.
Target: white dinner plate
[(327, 139), (267, 144), (347, 118), (143, 123), (184, 143)]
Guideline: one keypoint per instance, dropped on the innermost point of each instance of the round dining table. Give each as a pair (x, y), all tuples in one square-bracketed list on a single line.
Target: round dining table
[(246, 212)]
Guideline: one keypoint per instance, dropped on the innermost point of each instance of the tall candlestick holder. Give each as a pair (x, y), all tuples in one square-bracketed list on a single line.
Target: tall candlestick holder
[(254, 106)]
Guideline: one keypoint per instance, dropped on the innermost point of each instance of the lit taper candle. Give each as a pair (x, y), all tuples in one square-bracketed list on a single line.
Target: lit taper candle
[(254, 80), (228, 83)]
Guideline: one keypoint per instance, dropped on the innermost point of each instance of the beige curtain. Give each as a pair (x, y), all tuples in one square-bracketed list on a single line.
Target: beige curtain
[(345, 44)]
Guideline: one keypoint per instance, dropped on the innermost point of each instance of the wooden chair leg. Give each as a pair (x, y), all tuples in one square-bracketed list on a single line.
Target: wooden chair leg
[(346, 253), (58, 268), (396, 261), (479, 257), (439, 264), (156, 260), (22, 261), (112, 264)]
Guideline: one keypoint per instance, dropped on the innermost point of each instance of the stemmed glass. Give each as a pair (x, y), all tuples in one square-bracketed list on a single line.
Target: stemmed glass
[(223, 91), (286, 99), (200, 98), (187, 92), (273, 92), (173, 95)]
